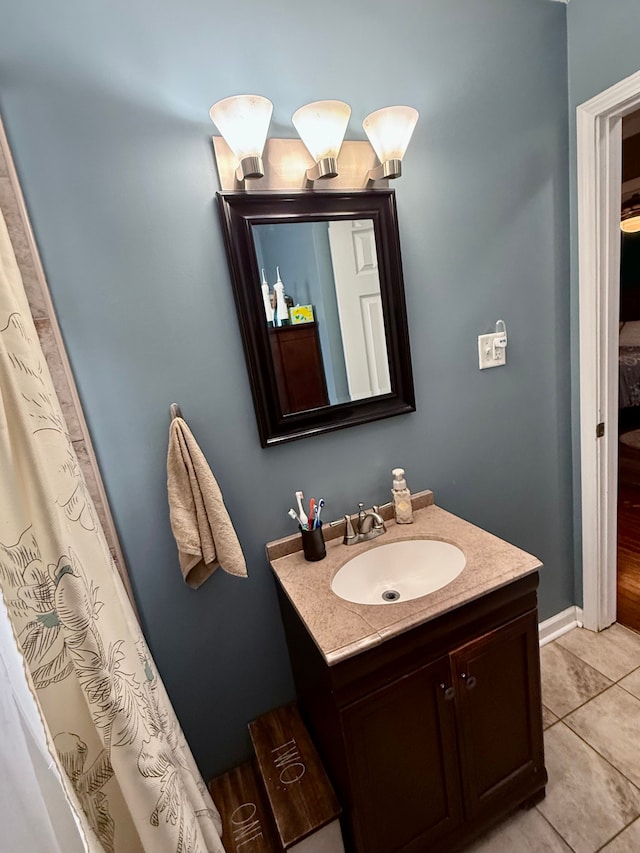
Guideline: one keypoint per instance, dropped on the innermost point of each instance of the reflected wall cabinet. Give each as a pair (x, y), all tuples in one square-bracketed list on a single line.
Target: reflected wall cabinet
[(297, 362)]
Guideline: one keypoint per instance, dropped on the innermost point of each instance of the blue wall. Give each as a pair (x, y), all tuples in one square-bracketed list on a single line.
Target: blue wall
[(602, 51), (106, 108), (603, 46)]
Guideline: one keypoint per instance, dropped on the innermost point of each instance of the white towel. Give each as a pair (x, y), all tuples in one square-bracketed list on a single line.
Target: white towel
[(199, 519)]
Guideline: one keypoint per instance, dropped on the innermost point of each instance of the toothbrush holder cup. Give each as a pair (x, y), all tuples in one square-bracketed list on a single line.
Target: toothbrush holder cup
[(313, 544)]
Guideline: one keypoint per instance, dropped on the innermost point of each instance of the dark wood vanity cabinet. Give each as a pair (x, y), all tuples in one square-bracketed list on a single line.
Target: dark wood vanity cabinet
[(499, 711), (400, 746), (434, 735)]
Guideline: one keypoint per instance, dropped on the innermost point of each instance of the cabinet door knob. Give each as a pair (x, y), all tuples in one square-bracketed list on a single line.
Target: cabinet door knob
[(469, 680), (447, 692)]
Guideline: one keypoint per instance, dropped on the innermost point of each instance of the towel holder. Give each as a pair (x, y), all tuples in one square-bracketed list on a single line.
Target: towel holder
[(175, 411)]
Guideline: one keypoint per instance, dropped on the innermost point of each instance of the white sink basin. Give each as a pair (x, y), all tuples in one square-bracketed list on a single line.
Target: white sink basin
[(398, 571)]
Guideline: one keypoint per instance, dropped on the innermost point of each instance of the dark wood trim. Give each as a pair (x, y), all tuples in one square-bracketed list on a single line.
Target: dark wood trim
[(239, 211)]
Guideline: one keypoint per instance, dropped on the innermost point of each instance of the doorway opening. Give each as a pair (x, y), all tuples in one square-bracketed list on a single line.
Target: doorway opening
[(599, 160), (628, 513)]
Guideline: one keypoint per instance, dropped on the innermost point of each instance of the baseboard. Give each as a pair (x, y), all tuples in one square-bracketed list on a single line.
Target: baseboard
[(559, 624)]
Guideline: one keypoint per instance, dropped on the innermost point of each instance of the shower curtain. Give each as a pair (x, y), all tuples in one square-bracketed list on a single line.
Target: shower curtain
[(34, 813), (127, 769)]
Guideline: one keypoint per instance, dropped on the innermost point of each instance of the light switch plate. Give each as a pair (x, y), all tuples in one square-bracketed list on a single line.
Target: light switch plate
[(486, 351)]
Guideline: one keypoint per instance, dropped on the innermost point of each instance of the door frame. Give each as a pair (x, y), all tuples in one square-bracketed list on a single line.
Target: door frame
[(599, 189)]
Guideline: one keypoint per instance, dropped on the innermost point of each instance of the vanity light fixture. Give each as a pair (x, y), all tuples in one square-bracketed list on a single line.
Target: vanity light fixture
[(630, 218), (243, 121), (242, 143), (389, 131), (322, 125)]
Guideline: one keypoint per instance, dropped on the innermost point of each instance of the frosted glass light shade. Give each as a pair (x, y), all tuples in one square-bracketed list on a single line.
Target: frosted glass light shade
[(630, 221), (389, 131), (322, 126), (243, 121)]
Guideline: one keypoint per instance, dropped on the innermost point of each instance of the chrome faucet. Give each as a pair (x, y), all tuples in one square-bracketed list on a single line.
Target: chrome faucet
[(369, 525)]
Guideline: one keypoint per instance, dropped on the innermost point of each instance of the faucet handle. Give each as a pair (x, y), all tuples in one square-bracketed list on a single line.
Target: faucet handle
[(350, 536)]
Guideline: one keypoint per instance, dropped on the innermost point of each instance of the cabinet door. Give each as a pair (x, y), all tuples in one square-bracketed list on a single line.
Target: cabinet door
[(297, 362), (402, 759), (497, 682)]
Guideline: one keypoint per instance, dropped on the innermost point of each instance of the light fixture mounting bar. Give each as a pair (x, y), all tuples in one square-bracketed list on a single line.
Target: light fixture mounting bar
[(286, 162)]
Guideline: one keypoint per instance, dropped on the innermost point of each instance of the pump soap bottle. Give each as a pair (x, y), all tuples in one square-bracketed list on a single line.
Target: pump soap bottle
[(401, 498)]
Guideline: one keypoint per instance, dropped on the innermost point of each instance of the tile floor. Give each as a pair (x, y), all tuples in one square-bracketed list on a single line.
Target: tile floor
[(591, 699)]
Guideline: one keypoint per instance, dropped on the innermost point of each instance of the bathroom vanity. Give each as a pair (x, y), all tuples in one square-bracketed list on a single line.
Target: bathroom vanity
[(427, 713)]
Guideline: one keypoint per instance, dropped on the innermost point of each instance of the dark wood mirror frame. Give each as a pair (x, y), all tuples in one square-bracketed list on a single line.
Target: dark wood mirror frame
[(240, 211)]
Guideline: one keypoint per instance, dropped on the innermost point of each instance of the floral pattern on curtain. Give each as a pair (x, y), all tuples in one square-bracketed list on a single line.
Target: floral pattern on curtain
[(114, 730)]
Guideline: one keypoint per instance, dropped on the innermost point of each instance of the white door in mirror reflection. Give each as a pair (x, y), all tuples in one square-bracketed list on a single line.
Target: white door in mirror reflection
[(355, 269)]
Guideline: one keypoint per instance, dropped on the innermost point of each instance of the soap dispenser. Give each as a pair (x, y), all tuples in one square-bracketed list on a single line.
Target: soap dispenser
[(401, 498)]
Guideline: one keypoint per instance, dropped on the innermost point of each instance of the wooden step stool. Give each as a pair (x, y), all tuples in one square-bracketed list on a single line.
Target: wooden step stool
[(247, 822), (303, 803)]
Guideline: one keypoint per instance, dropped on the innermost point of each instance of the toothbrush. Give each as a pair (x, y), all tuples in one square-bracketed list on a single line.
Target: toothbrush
[(294, 516), (304, 521), (312, 517), (319, 506)]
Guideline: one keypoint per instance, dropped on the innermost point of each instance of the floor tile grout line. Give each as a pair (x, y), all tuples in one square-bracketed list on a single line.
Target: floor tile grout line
[(586, 702), (607, 760), (562, 719), (582, 661), (617, 769), (604, 689), (613, 837), (559, 640), (557, 831), (588, 663), (627, 674), (622, 687)]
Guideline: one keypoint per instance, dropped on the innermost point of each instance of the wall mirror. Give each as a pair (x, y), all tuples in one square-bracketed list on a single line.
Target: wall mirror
[(317, 280)]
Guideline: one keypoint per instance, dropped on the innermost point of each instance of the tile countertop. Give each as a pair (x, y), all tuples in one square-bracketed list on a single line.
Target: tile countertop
[(341, 628)]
